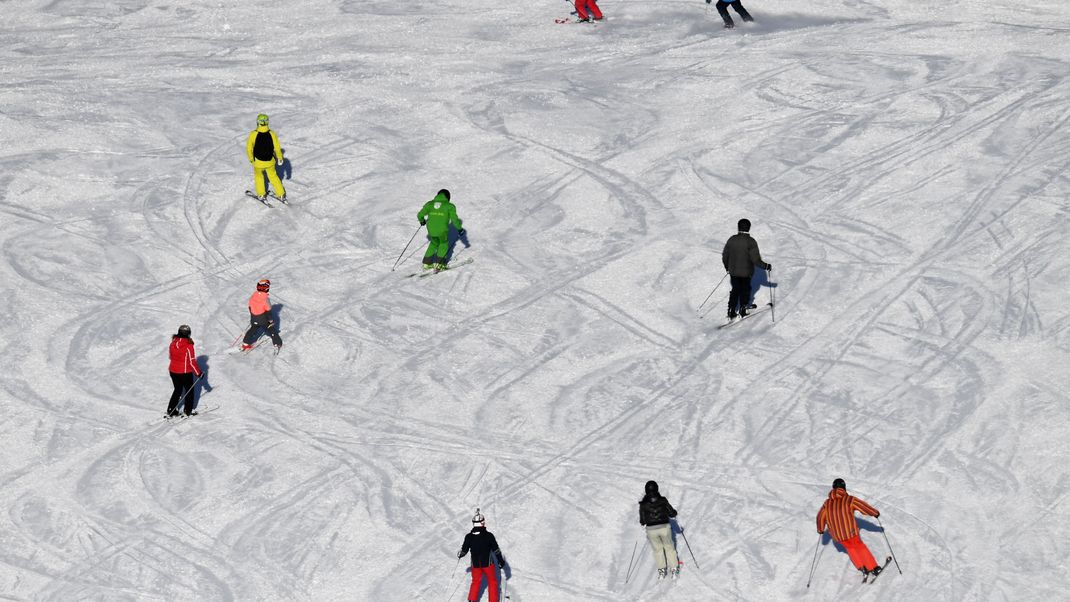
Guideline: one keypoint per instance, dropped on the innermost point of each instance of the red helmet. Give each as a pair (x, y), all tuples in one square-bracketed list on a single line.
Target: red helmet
[(264, 285)]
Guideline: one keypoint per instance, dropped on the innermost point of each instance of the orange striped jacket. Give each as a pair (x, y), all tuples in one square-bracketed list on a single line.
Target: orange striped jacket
[(838, 512)]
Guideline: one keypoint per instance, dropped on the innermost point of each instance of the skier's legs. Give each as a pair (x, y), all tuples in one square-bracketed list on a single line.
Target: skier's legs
[(740, 295), (252, 334), (722, 8), (443, 248), (581, 9), (176, 380), (477, 580), (660, 539), (859, 553), (276, 183), (738, 5), (435, 252), (492, 583), (258, 177), (187, 392), (592, 7), (273, 330)]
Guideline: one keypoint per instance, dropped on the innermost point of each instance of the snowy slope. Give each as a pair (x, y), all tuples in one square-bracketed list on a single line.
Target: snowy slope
[(905, 167)]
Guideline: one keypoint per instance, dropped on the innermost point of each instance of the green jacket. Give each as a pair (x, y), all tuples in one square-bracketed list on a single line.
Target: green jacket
[(439, 213)]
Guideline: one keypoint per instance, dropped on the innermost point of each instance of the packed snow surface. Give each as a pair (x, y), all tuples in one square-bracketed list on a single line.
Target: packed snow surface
[(905, 168)]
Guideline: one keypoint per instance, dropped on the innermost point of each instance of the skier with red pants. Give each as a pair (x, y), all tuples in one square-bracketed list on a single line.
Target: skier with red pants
[(482, 545), (183, 368), (587, 10), (837, 514)]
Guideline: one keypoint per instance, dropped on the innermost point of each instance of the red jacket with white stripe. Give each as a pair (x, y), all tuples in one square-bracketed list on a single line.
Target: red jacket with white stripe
[(838, 512), (183, 357)]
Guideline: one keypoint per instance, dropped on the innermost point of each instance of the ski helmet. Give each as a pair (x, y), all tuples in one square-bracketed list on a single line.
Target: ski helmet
[(839, 484), (262, 119), (445, 193), (479, 519), (183, 331), (651, 487), (744, 225), (264, 285)]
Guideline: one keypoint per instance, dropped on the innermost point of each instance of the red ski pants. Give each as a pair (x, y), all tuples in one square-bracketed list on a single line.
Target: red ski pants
[(477, 579), (859, 553), (587, 6)]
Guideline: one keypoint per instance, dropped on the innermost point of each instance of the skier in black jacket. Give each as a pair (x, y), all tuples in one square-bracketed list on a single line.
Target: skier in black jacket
[(740, 255), (482, 544), (654, 513)]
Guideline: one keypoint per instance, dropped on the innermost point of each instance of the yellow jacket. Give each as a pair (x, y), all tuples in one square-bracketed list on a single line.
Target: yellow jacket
[(258, 148)]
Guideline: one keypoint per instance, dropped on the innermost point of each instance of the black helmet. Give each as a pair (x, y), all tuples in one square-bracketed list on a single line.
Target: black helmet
[(839, 484), (183, 331), (445, 193), (744, 225), (651, 487)]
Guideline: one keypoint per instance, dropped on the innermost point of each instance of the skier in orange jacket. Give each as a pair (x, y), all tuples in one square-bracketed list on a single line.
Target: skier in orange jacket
[(260, 318), (838, 515)]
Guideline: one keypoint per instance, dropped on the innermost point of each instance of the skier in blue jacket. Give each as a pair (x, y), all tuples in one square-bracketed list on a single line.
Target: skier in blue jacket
[(722, 8)]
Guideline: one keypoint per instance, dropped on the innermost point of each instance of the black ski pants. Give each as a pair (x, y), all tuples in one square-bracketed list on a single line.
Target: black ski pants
[(722, 7), (183, 392), (259, 323), (740, 295)]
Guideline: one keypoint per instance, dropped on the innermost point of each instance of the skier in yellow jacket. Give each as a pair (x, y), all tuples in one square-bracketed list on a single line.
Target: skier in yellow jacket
[(264, 151)]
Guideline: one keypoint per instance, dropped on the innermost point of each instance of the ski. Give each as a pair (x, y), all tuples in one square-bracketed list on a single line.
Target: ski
[(427, 273), (563, 21), (263, 201), (280, 199), (750, 314), (867, 579)]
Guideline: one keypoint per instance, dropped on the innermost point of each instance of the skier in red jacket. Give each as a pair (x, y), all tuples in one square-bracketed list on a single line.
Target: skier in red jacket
[(183, 368), (838, 514)]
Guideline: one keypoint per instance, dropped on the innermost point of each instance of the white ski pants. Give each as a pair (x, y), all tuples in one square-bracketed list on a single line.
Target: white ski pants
[(660, 537)]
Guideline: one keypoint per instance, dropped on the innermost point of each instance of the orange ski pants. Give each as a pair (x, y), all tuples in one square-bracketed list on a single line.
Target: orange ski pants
[(859, 553)]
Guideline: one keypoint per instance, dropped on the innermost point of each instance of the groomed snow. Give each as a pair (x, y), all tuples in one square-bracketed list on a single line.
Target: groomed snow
[(905, 167)]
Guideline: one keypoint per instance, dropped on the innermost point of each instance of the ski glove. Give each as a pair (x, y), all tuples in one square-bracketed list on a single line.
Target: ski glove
[(462, 232), (423, 223), (460, 553), (769, 267)]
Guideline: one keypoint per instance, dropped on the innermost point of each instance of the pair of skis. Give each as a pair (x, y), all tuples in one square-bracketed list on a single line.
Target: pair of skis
[(870, 577), (749, 314), (426, 273), (263, 201)]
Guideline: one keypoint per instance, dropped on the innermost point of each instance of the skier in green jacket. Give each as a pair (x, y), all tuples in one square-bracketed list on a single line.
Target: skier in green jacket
[(437, 214)]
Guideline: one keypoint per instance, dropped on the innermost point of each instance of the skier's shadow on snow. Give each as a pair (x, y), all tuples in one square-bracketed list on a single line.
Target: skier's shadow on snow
[(503, 573), (202, 385), (454, 237), (284, 170), (757, 281)]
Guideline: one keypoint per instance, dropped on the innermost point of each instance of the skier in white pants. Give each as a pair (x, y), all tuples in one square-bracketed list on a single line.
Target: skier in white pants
[(654, 513)]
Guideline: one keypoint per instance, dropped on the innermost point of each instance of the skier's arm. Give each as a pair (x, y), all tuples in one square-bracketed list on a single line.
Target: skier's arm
[(668, 506), (249, 145), (278, 147), (464, 548), (497, 551), (756, 255), (454, 217), (641, 521), (193, 361), (864, 508), (421, 215), (822, 519), (724, 257)]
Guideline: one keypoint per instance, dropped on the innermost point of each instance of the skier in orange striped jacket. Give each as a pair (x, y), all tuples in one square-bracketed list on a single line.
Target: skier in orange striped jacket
[(838, 515)]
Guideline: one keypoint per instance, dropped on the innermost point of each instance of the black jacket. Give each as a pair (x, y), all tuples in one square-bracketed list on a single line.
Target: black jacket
[(655, 510), (740, 255), (482, 544)]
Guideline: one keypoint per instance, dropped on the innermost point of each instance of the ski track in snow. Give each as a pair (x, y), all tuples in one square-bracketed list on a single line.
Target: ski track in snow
[(905, 168)]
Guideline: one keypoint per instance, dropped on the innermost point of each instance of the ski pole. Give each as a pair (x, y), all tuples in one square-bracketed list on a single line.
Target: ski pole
[(453, 574), (813, 565), (772, 295), (628, 575), (889, 546), (689, 549), (406, 247), (714, 289)]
